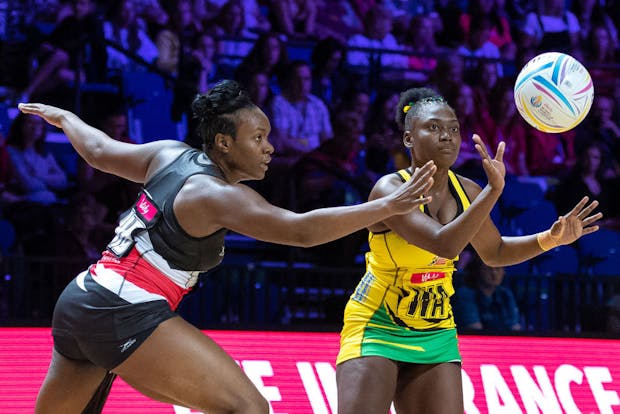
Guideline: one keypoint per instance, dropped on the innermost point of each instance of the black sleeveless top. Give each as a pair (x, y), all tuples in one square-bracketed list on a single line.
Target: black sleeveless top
[(153, 212)]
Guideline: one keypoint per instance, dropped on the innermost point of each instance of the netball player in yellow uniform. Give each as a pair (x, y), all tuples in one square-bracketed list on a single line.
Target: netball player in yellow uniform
[(399, 341)]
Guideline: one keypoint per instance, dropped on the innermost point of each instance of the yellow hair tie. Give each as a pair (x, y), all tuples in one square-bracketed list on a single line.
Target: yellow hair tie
[(407, 107)]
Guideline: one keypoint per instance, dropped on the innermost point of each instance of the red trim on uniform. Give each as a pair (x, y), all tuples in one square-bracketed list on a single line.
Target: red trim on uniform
[(135, 269)]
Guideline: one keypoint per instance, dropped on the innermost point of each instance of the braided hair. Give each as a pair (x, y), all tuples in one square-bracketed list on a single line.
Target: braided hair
[(411, 103), (217, 111)]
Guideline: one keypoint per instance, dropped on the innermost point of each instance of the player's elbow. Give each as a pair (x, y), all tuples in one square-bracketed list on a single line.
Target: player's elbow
[(94, 155), (446, 249)]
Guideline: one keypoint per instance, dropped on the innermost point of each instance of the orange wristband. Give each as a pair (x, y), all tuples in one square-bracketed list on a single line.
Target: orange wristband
[(545, 241)]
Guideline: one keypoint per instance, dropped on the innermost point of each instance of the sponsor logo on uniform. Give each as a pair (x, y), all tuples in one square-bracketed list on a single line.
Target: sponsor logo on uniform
[(426, 276), (146, 208), (125, 346)]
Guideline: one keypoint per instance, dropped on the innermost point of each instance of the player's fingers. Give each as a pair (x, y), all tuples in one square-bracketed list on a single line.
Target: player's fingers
[(499, 155), (422, 200), (592, 219), (588, 230), (586, 211), (579, 206), (480, 147)]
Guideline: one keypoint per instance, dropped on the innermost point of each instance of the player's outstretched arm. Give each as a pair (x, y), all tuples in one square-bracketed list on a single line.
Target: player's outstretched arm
[(125, 160), (497, 250), (571, 226), (261, 220)]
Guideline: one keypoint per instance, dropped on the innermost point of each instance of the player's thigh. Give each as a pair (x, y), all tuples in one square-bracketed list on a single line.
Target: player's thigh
[(429, 389), (366, 385), (68, 385), (179, 363)]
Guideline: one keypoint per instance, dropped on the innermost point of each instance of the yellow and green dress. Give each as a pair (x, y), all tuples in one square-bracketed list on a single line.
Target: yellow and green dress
[(401, 308)]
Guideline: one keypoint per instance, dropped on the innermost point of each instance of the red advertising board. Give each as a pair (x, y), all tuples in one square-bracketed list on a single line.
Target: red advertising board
[(295, 372)]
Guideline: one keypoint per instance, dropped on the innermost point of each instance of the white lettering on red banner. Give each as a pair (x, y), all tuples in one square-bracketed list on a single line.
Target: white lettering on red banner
[(295, 372)]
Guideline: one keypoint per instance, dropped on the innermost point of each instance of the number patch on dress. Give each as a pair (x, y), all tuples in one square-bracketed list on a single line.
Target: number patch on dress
[(142, 216)]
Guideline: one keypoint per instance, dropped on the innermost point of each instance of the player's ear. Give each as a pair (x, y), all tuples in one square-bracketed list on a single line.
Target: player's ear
[(222, 142), (408, 139)]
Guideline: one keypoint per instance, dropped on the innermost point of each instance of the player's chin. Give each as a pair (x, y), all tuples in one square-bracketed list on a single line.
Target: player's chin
[(446, 159), (259, 175)]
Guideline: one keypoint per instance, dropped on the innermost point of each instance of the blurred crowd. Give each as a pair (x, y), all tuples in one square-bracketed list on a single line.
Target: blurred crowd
[(327, 73)]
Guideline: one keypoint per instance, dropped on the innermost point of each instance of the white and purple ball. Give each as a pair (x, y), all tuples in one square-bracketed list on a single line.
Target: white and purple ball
[(554, 92)]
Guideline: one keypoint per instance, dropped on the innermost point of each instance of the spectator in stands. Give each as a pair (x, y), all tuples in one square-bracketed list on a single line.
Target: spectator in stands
[(549, 154), (329, 176), (516, 10), (329, 78), (449, 74), (174, 42), (255, 19), (294, 18), (484, 303), (377, 35), (478, 46), (268, 55), (421, 43), (449, 33), (591, 14), (551, 28), (258, 88), (300, 123), (588, 177), (133, 46), (7, 195), (73, 52), (601, 126), (383, 138), (188, 52), (84, 235), (112, 192), (473, 120), (300, 120), (403, 13), (499, 31), (152, 14), (337, 19), (602, 59), (38, 177), (230, 26), (508, 127), (355, 99), (483, 79)]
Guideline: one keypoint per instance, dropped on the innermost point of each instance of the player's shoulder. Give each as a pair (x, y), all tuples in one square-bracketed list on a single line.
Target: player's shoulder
[(471, 187)]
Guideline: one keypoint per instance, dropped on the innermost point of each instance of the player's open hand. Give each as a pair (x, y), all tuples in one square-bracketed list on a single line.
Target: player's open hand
[(411, 194), (578, 222), (51, 114), (493, 166)]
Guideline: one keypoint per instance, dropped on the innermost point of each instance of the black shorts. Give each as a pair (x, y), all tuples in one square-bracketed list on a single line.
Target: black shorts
[(98, 326)]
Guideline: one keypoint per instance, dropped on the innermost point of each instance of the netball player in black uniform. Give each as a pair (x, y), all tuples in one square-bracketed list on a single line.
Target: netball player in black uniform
[(117, 318)]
